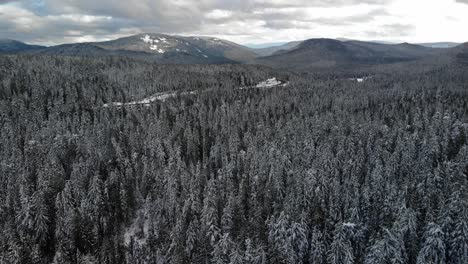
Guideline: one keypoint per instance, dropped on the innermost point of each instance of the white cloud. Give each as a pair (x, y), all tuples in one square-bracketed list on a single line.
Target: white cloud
[(218, 14)]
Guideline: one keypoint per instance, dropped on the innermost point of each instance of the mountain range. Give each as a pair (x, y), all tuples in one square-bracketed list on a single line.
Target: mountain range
[(330, 53), (311, 54), (159, 48)]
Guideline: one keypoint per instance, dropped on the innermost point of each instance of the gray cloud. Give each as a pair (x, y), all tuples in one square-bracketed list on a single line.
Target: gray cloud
[(285, 24), (335, 21), (391, 30), (299, 19), (312, 3), (58, 21)]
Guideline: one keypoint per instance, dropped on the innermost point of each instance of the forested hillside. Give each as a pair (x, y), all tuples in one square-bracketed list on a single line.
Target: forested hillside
[(323, 170)]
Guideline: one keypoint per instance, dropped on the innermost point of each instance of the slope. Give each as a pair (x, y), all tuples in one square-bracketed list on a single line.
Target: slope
[(325, 54), (8, 46)]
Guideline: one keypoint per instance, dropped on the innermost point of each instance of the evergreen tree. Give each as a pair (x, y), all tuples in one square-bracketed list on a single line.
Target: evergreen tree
[(433, 249)]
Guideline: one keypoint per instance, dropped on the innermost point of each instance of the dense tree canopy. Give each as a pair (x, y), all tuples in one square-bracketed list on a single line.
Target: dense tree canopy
[(324, 170)]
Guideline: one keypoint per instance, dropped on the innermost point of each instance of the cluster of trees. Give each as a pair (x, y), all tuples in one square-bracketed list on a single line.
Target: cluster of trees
[(96, 81), (321, 171)]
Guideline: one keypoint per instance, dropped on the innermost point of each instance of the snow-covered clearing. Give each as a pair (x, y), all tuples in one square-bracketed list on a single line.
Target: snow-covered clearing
[(360, 80), (147, 101), (270, 83)]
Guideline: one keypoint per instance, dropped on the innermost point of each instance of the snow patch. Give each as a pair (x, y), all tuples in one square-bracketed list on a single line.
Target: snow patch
[(269, 83), (147, 101), (162, 97), (137, 232), (153, 43), (147, 39), (217, 41), (360, 80), (351, 225)]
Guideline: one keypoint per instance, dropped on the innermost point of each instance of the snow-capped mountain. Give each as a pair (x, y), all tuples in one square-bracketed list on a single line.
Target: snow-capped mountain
[(161, 48), (206, 49)]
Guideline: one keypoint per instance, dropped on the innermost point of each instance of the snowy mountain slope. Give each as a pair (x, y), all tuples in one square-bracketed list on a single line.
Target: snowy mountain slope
[(158, 48), (177, 48)]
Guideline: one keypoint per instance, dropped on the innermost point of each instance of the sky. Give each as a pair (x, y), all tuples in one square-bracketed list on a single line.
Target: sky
[(51, 22)]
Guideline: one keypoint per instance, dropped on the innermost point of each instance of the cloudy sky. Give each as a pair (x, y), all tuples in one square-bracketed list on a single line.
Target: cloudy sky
[(51, 22)]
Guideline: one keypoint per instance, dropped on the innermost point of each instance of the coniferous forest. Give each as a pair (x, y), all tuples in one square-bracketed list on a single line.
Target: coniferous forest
[(322, 169)]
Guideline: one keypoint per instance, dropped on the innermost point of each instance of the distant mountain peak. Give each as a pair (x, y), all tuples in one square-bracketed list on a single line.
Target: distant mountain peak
[(323, 42), (153, 47), (10, 46), (323, 53), (8, 40)]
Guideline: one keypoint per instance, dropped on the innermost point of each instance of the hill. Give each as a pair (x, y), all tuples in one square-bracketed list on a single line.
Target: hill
[(273, 49), (8, 46), (335, 54), (160, 48), (441, 45), (460, 54)]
